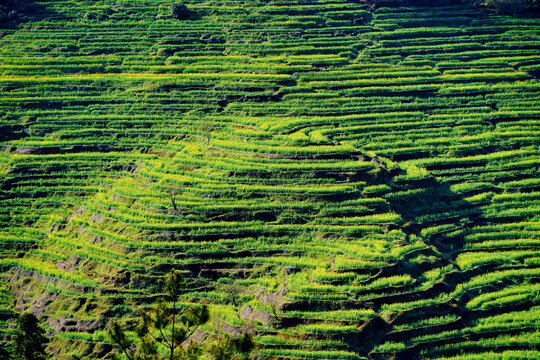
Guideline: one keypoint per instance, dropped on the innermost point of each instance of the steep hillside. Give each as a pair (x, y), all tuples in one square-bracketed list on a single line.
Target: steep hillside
[(347, 182)]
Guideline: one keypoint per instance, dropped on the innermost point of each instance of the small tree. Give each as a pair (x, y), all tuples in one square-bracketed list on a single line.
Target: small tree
[(234, 291), (164, 326), (274, 302), (172, 196), (168, 327), (180, 11), (29, 340)]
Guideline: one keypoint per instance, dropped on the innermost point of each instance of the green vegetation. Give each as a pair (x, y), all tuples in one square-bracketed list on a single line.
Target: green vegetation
[(343, 179), (166, 331), (29, 339)]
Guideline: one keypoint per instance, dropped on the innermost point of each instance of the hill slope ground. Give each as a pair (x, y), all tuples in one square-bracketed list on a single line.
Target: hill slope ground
[(350, 183)]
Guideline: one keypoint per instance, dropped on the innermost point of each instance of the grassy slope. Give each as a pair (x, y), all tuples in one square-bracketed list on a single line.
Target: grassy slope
[(377, 177)]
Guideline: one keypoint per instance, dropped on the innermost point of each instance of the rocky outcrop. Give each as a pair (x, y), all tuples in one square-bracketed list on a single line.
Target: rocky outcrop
[(249, 313), (71, 324)]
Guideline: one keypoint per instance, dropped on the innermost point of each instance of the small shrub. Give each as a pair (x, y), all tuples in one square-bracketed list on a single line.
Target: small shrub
[(180, 11), (29, 339), (12, 9), (507, 6), (513, 6)]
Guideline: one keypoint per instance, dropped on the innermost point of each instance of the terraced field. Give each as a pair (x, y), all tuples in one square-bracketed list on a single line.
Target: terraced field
[(347, 182)]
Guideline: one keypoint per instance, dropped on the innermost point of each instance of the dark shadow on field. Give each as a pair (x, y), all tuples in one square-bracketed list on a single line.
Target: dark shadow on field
[(14, 13), (424, 203)]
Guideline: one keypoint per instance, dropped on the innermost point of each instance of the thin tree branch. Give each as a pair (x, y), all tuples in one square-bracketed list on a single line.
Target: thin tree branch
[(172, 335), (164, 338), (153, 337), (124, 350), (191, 333)]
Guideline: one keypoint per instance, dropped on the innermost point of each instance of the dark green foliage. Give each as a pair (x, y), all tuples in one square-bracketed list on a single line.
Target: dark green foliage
[(30, 339), (119, 337), (4, 354), (180, 11), (227, 347), (513, 6), (174, 284), (11, 9)]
